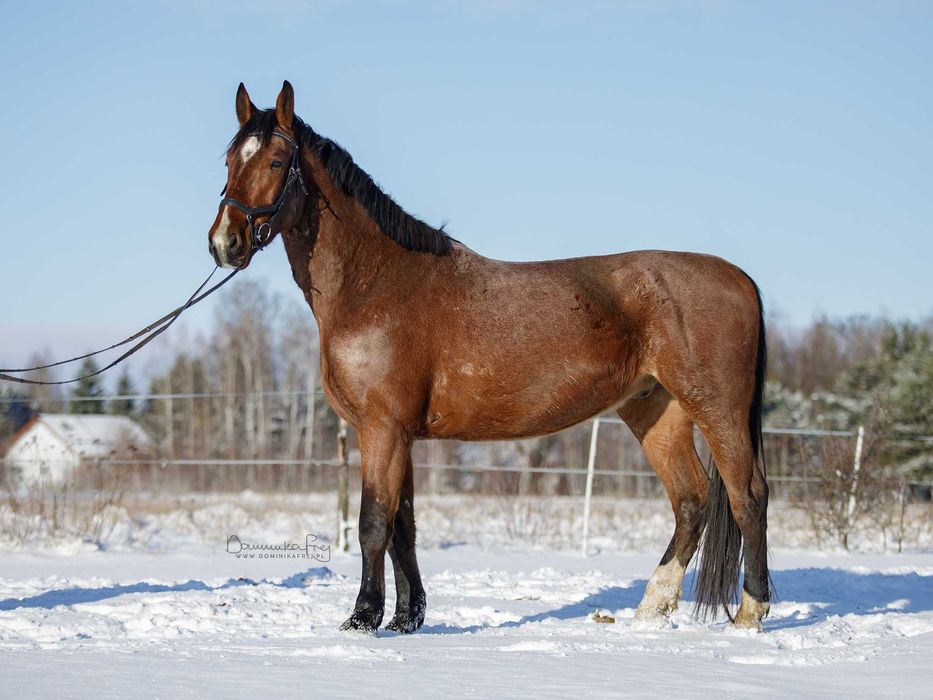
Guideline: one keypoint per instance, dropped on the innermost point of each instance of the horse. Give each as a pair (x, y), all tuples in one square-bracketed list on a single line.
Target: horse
[(423, 338)]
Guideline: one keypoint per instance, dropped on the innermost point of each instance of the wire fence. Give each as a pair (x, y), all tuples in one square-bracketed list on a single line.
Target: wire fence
[(617, 474), (287, 440), (290, 442)]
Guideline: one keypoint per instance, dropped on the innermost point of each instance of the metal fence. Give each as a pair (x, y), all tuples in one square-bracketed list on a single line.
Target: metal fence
[(600, 457)]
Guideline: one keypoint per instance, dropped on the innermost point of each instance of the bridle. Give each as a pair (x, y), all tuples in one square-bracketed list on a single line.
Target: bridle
[(261, 235)]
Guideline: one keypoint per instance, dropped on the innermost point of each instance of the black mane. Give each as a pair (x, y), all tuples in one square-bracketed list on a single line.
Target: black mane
[(403, 228)]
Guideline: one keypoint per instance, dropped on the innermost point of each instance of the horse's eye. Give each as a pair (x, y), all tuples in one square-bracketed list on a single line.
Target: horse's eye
[(276, 164)]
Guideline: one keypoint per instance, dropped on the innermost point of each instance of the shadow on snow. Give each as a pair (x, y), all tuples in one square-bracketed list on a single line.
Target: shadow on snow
[(821, 593), (75, 596)]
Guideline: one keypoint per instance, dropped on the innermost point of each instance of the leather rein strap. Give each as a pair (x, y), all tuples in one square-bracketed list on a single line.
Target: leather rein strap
[(259, 236), (147, 334)]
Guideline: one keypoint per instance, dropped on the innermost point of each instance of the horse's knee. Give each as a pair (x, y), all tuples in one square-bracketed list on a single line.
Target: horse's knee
[(403, 536), (375, 526)]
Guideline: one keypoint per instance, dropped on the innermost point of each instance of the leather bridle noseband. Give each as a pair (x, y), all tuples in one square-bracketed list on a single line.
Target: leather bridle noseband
[(261, 235)]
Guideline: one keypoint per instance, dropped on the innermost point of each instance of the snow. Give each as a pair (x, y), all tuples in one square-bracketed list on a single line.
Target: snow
[(165, 611), (93, 435)]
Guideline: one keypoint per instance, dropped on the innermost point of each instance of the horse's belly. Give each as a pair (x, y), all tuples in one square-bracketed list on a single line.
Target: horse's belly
[(502, 407)]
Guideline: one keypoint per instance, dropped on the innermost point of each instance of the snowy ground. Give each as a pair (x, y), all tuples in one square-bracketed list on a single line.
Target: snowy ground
[(165, 611)]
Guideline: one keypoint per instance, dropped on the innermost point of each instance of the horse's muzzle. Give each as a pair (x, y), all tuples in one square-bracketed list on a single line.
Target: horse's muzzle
[(227, 249)]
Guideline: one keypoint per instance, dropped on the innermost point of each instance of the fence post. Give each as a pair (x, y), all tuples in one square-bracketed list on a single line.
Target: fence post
[(343, 496), (856, 467), (588, 493)]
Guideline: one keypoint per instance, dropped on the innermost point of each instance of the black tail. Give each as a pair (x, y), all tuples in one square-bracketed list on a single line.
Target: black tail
[(717, 579)]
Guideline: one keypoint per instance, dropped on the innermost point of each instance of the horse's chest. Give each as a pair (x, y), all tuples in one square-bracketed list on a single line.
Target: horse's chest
[(356, 366)]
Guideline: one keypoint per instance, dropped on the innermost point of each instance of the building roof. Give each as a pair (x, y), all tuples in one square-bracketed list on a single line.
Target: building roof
[(90, 436)]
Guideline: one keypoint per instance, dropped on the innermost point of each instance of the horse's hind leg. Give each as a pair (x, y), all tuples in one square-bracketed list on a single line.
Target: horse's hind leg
[(743, 481), (409, 593), (737, 508), (665, 432)]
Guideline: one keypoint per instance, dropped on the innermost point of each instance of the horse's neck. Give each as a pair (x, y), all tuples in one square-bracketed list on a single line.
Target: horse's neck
[(343, 259)]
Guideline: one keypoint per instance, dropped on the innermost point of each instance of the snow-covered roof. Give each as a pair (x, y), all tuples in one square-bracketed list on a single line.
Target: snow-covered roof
[(95, 435)]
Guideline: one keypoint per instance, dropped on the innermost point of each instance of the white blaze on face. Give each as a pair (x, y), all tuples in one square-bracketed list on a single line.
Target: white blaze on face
[(249, 148), (220, 237), (224, 221)]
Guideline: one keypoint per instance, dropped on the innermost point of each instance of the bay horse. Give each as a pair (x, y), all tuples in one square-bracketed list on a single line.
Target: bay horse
[(421, 338)]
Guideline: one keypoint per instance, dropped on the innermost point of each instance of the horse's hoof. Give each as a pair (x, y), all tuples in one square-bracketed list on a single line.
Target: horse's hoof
[(751, 612), (747, 622), (404, 623), (655, 610), (365, 621)]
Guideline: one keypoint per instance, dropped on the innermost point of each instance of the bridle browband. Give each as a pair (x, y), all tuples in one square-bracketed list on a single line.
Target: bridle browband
[(261, 235)]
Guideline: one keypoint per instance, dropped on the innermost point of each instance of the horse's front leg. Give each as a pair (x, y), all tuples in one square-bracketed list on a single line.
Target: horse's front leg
[(385, 455), (409, 593)]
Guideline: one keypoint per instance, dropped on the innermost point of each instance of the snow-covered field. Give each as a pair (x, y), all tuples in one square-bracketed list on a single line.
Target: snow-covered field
[(165, 611)]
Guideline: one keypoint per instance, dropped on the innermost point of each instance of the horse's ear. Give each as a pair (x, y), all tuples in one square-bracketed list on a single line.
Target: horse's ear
[(285, 106), (244, 106)]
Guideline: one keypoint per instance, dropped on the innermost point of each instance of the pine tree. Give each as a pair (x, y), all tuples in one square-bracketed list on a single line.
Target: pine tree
[(896, 392), (123, 407), (14, 412), (89, 388)]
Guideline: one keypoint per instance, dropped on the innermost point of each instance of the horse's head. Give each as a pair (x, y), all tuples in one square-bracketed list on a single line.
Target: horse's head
[(265, 189)]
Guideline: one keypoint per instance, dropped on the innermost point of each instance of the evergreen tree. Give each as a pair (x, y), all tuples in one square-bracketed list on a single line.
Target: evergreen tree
[(123, 406), (901, 377), (895, 392), (14, 412), (89, 388)]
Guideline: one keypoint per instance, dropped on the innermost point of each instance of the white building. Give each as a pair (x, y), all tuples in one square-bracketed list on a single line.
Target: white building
[(51, 445)]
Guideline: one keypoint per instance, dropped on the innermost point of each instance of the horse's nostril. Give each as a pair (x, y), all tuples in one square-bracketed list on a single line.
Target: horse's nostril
[(233, 244)]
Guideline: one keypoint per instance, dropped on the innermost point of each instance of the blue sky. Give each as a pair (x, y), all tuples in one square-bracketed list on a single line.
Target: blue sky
[(794, 139)]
